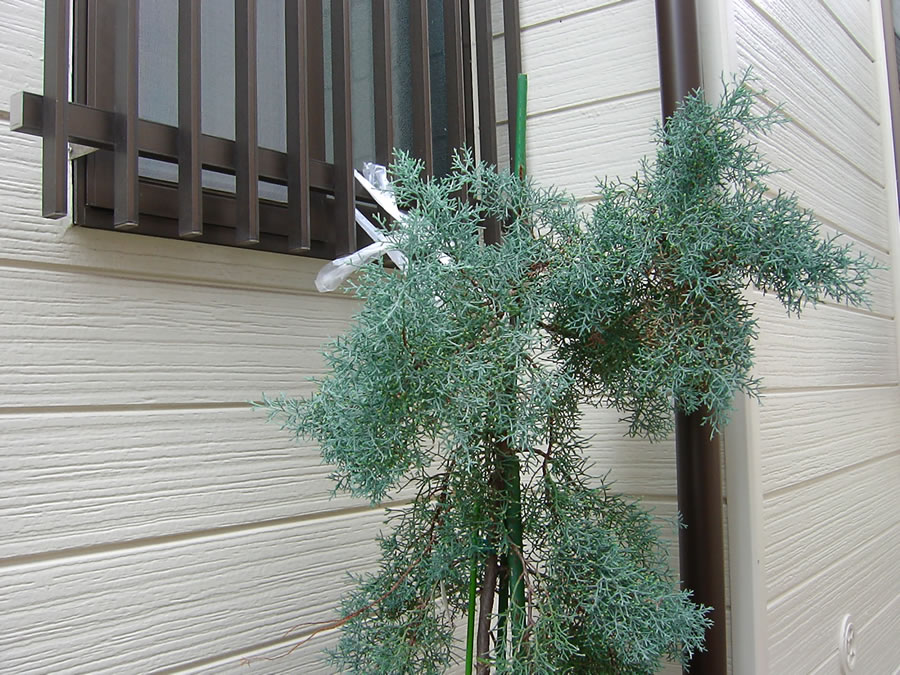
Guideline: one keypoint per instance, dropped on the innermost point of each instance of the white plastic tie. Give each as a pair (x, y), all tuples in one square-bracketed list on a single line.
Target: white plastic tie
[(374, 180), (334, 273)]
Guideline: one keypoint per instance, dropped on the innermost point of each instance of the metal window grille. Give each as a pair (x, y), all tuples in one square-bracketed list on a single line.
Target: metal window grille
[(316, 215)]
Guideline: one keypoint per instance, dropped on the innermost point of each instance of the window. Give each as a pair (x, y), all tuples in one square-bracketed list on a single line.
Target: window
[(193, 142)]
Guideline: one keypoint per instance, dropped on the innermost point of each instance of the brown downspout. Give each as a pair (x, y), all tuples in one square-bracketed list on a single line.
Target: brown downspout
[(701, 545), (891, 56)]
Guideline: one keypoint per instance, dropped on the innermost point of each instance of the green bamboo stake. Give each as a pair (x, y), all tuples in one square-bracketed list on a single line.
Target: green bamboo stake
[(515, 591), (513, 516), (470, 628), (521, 108)]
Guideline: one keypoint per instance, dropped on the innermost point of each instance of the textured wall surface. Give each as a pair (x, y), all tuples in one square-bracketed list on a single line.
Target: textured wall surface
[(829, 422), (149, 520)]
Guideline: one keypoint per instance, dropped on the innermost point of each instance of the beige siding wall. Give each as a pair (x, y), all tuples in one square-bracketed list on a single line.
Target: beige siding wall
[(149, 520), (829, 422)]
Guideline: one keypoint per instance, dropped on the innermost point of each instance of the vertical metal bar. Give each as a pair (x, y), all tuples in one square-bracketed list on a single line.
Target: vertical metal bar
[(345, 207), (315, 78), (453, 56), (468, 88), (101, 25), (190, 186), (512, 48), (697, 453), (79, 95), (487, 114), (125, 156), (245, 123), (297, 126), (384, 101), (421, 83), (55, 162)]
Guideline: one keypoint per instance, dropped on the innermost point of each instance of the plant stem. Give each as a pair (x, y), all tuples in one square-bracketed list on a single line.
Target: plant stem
[(470, 628), (488, 586), (513, 522), (502, 607)]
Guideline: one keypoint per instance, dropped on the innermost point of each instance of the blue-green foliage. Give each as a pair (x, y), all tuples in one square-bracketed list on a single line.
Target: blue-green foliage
[(479, 352)]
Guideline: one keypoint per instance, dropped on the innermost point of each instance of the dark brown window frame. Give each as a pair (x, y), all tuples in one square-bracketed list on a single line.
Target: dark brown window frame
[(318, 219)]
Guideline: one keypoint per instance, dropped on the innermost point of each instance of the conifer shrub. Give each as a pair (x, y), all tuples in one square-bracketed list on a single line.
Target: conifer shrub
[(465, 379)]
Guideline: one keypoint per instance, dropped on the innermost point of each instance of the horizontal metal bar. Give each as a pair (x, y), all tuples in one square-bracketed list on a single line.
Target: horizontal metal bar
[(220, 226), (95, 127)]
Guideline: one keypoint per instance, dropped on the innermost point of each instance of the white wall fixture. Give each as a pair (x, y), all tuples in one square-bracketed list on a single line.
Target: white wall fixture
[(847, 644)]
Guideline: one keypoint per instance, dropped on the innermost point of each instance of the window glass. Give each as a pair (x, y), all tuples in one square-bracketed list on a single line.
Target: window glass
[(158, 79)]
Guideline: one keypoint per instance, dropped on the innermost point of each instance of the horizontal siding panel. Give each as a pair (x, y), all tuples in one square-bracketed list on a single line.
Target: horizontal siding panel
[(607, 54), (180, 603), (80, 339), (807, 95), (814, 525), (806, 435), (880, 649), (634, 464), (22, 56), (93, 479), (821, 36), (855, 16), (826, 346), (307, 658), (826, 183), (573, 148), (804, 625), (27, 238), (155, 608), (880, 285), (127, 476), (877, 648), (533, 12)]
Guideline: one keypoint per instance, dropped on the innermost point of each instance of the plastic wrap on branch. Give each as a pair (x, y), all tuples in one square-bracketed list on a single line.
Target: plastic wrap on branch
[(334, 273)]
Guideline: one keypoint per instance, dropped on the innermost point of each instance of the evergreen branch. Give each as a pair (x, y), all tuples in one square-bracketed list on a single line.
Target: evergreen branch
[(636, 305)]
